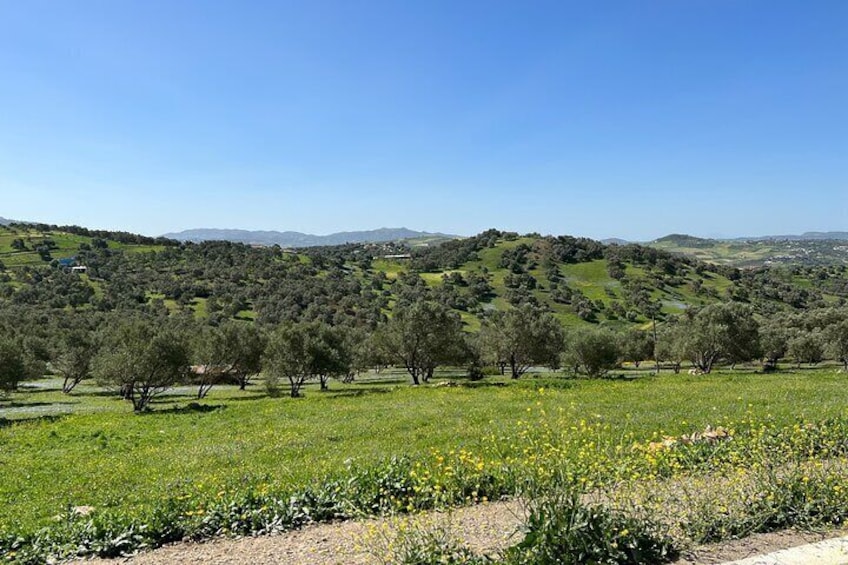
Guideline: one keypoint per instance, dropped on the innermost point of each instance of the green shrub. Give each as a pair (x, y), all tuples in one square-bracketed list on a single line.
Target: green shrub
[(426, 546), (563, 530)]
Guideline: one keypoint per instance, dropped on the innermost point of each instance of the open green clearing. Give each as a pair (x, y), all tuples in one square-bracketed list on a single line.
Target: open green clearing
[(62, 246), (89, 449)]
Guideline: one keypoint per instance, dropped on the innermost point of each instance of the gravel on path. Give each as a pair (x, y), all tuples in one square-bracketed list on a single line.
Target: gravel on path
[(755, 546)]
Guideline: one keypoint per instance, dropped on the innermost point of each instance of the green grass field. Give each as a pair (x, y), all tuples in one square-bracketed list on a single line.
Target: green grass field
[(88, 448), (591, 278)]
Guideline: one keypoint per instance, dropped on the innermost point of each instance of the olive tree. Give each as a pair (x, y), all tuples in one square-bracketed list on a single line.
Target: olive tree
[(246, 345), (232, 350), (421, 337), (807, 347), (523, 337), (75, 359), (636, 346), (724, 330), (303, 351), (333, 354), (837, 338), (593, 351), (142, 358), (12, 365), (671, 346), (774, 343), (287, 357)]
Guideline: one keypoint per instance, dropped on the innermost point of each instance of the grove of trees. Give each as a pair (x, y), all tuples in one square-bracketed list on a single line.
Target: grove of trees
[(140, 356)]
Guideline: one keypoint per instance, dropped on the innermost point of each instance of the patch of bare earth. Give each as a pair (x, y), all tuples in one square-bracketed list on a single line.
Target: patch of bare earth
[(753, 545), (485, 528)]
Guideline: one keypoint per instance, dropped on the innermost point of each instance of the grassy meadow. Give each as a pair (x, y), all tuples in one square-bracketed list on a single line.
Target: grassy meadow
[(89, 449)]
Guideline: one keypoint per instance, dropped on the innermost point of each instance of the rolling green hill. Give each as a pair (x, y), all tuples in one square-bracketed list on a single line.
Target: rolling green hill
[(594, 291), (580, 280)]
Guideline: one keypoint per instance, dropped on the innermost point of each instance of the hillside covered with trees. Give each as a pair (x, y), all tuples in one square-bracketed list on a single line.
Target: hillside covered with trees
[(82, 303)]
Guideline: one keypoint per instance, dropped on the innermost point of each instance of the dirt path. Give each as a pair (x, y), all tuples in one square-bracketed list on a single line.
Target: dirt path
[(754, 545), (486, 528)]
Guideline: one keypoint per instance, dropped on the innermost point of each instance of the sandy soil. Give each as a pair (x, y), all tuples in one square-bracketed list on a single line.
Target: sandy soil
[(757, 544)]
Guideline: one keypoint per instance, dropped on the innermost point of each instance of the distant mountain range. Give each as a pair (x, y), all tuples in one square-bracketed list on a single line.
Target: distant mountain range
[(806, 236), (298, 239)]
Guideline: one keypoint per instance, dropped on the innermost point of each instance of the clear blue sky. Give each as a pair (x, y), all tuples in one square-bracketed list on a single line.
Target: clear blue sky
[(631, 119)]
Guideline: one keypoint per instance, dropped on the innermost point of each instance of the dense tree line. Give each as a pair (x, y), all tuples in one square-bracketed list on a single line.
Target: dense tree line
[(140, 355)]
